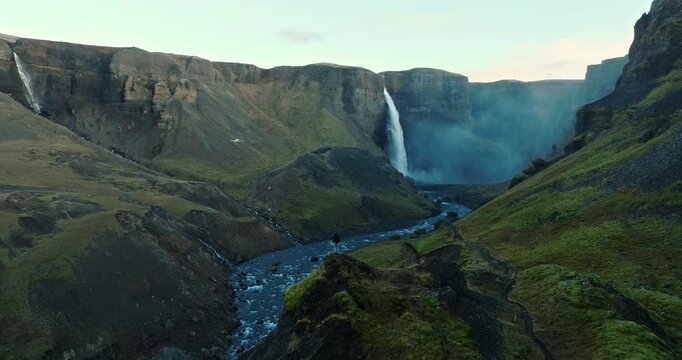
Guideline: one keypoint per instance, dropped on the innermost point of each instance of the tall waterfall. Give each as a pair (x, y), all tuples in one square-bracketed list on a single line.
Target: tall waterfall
[(26, 79), (396, 142)]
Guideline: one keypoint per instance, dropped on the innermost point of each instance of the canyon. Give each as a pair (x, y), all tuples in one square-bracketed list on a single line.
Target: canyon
[(132, 185), (579, 260), (155, 133)]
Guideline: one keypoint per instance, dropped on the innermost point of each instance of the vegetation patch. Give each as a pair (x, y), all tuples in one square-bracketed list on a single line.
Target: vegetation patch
[(294, 293), (577, 316), (404, 322), (51, 258)]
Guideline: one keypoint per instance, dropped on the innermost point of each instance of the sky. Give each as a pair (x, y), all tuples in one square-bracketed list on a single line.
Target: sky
[(486, 40)]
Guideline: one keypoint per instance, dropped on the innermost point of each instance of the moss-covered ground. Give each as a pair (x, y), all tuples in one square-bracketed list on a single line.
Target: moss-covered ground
[(43, 162), (396, 319), (608, 212)]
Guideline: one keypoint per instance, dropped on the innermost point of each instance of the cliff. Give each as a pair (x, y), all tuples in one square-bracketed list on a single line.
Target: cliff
[(429, 95), (601, 79), (163, 109), (650, 80), (178, 113), (224, 123), (429, 102)]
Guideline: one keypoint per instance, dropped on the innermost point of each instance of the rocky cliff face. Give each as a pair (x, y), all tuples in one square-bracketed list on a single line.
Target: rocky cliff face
[(429, 95), (8, 79), (179, 113), (430, 102), (601, 79), (654, 65), (160, 108), (655, 51), (353, 91)]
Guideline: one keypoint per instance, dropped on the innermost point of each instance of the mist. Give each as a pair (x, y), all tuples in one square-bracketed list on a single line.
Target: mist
[(511, 123)]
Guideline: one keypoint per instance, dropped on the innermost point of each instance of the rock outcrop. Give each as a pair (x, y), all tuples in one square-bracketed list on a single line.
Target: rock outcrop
[(423, 307), (429, 95), (653, 64), (8, 78)]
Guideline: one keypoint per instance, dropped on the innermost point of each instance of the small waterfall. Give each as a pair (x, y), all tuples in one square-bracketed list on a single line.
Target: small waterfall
[(217, 255), (26, 79), (396, 142)]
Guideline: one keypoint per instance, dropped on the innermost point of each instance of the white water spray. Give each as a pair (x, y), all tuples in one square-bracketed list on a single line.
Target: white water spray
[(26, 79), (396, 142)]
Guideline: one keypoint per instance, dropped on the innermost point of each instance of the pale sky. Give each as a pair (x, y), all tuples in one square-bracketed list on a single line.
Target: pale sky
[(486, 40)]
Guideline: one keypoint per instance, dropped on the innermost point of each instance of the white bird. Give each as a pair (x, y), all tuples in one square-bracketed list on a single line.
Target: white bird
[(236, 141)]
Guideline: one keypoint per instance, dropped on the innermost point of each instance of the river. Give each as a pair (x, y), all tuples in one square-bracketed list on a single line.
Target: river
[(260, 291)]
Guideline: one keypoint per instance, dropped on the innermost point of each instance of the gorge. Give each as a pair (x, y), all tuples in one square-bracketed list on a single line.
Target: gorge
[(163, 206)]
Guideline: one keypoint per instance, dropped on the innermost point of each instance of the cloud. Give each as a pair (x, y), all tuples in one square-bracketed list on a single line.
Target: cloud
[(559, 59), (301, 36)]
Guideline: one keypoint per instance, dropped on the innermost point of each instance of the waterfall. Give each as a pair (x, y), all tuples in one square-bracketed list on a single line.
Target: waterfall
[(26, 79), (396, 142)]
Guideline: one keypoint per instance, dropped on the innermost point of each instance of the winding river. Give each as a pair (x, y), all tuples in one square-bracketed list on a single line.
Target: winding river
[(260, 290)]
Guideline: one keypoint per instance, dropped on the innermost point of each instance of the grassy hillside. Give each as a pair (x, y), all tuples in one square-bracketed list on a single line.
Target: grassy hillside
[(611, 209), (94, 249), (603, 227), (341, 189), (275, 124)]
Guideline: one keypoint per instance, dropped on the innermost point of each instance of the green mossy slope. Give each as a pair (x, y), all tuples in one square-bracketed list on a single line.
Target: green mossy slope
[(340, 189), (391, 314), (609, 211), (94, 248)]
